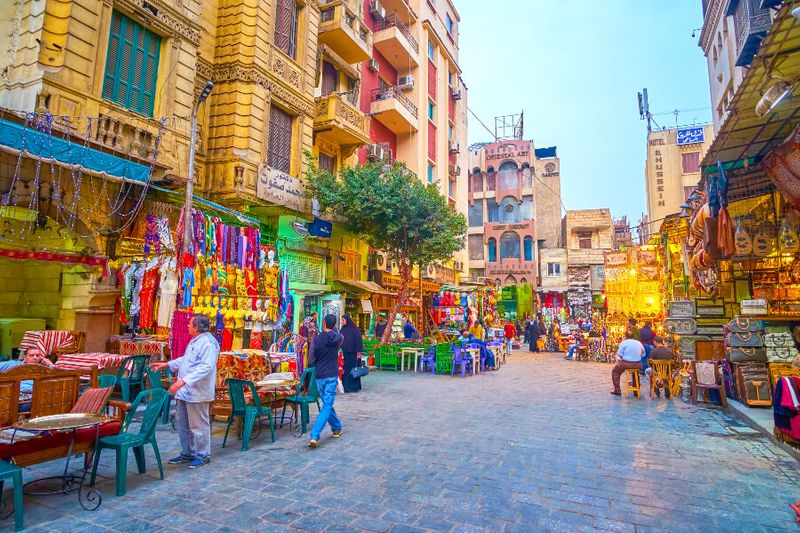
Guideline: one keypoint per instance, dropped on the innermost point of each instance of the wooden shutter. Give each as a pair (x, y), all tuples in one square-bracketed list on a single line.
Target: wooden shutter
[(279, 154), (431, 141), (286, 27), (431, 80), (330, 78)]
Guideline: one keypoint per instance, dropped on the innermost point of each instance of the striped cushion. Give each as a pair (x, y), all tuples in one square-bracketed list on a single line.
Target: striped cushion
[(93, 400)]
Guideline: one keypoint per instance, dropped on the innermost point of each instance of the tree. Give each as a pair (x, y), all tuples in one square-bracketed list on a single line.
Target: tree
[(394, 212)]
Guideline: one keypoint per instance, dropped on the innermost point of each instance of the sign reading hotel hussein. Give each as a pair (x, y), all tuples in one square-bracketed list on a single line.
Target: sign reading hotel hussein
[(280, 188)]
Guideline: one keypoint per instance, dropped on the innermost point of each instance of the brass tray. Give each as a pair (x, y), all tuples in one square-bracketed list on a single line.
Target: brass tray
[(276, 383), (62, 421)]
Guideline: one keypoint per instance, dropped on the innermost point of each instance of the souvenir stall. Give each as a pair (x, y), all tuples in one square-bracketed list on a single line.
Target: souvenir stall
[(450, 310), (554, 306)]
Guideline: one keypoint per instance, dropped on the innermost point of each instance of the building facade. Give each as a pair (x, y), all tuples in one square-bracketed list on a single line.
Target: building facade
[(672, 168), (504, 211), (587, 235)]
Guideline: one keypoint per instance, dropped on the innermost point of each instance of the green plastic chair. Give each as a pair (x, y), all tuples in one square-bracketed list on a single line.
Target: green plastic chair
[(14, 473), (154, 377), (126, 440), (131, 374), (248, 413), (107, 380), (303, 400)]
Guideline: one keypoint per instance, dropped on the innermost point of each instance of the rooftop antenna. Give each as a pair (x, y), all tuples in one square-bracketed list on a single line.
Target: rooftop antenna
[(644, 109), (509, 127)]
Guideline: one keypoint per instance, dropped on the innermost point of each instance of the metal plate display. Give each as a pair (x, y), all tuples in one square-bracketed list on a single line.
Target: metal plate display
[(62, 421), (681, 309), (711, 310), (686, 343), (680, 326), (753, 307), (709, 330)]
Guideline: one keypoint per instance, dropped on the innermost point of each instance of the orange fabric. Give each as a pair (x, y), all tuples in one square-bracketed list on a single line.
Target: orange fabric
[(725, 235), (93, 400)]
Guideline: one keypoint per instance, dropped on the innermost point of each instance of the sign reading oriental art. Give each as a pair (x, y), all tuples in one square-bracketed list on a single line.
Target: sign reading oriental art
[(691, 136), (281, 188)]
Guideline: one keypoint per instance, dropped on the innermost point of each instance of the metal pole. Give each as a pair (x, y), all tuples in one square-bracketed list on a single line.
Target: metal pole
[(187, 215)]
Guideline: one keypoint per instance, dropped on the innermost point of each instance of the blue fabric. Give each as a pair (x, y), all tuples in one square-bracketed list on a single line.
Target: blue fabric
[(327, 415), (409, 332), (24, 386), (40, 144)]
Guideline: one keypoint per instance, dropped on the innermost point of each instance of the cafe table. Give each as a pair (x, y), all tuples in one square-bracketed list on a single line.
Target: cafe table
[(475, 353), (66, 422), (274, 385), (496, 351), (411, 351)]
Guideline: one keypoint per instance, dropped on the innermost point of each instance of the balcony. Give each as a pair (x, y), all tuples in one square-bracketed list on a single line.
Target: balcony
[(394, 110), (338, 120), (401, 8), (751, 24), (393, 39), (341, 28)]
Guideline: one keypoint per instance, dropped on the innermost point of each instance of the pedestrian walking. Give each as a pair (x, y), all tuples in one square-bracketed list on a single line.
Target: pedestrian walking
[(509, 332), (325, 358), (352, 348), (193, 392), (630, 353)]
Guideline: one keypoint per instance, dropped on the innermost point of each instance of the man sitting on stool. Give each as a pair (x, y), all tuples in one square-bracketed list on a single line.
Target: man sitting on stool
[(630, 355), (662, 353)]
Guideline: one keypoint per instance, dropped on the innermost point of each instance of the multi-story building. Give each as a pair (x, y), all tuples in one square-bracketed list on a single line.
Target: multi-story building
[(731, 34), (514, 191), (587, 235), (622, 233), (672, 168)]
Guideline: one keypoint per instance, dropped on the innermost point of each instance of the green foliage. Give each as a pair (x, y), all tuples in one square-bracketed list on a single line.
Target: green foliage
[(391, 210)]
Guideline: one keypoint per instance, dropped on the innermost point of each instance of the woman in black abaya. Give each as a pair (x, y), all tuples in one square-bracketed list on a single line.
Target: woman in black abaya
[(352, 347)]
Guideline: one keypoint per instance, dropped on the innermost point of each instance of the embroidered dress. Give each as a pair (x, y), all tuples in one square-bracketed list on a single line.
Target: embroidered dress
[(147, 297), (167, 293)]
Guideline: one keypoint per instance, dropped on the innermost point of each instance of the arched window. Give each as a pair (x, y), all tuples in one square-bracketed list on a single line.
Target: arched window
[(492, 250), (509, 245), (510, 210), (523, 281), (510, 280), (491, 179), (527, 176), (477, 182), (508, 176), (527, 245)]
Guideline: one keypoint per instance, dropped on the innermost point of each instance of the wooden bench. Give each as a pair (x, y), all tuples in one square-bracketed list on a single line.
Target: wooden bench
[(54, 392)]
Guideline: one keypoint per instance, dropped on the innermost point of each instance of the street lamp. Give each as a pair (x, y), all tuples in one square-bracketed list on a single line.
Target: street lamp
[(187, 215)]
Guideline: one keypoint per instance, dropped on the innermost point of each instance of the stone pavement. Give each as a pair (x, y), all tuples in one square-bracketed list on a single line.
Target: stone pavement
[(539, 445)]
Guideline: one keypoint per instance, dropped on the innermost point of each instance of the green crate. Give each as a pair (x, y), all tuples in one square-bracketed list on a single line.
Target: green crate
[(388, 358)]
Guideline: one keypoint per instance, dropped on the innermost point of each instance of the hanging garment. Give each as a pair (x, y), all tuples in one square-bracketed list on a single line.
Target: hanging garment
[(179, 338), (167, 293), (125, 283), (188, 285), (147, 296)]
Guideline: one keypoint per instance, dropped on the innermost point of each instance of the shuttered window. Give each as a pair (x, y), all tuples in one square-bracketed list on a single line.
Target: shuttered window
[(131, 65), (286, 16), (279, 154)]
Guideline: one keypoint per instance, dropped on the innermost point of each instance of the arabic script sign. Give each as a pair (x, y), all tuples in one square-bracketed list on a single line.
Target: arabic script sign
[(691, 136), (281, 188)]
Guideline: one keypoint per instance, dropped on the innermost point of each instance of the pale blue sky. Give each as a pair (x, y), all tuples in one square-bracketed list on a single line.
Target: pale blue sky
[(575, 67)]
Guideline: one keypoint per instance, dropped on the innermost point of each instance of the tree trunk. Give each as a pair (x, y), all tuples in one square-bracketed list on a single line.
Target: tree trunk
[(402, 299)]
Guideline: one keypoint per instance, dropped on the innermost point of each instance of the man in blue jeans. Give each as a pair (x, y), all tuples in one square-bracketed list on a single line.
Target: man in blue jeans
[(325, 359)]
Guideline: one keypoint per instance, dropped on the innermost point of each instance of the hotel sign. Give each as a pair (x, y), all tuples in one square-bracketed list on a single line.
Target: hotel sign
[(280, 188), (691, 136)]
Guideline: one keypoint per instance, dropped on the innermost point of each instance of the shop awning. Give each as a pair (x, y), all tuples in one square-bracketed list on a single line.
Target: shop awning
[(745, 138), (52, 148), (358, 287), (202, 202), (458, 288)]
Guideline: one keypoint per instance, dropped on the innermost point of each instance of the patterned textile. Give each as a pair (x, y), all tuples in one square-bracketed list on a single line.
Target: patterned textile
[(46, 341), (252, 365), (155, 349), (93, 400), (85, 361)]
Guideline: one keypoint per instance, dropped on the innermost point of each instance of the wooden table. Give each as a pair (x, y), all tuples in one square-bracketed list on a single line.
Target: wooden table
[(475, 353), (411, 351), (496, 350)]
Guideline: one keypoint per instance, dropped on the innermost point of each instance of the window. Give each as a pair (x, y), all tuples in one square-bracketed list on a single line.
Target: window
[(330, 78), (509, 210), (509, 245), (475, 214), (584, 240), (431, 51), (475, 247), (553, 270), (492, 210), (286, 27), (526, 209), (508, 176), (327, 162), (450, 78), (450, 132), (451, 188), (431, 173), (131, 65), (431, 111), (448, 23), (476, 182), (492, 245), (279, 154), (491, 180), (690, 162), (527, 248)]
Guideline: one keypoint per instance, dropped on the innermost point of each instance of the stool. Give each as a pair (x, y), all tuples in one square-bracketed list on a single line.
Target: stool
[(632, 384), (13, 472)]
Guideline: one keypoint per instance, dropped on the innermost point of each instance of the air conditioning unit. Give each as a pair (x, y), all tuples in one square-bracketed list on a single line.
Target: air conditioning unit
[(455, 170), (375, 152), (455, 93), (405, 83), (373, 65), (453, 146), (377, 10), (458, 265)]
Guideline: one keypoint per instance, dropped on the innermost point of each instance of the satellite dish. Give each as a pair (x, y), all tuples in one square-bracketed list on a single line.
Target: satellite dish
[(300, 228)]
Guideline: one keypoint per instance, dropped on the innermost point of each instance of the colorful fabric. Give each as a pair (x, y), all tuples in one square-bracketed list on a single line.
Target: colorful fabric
[(93, 400), (47, 341), (85, 361), (151, 348)]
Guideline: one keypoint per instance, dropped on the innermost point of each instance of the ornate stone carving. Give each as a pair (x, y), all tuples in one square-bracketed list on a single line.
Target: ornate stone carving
[(165, 18)]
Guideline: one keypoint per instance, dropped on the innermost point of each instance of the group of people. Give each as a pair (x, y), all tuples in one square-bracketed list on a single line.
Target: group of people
[(633, 354)]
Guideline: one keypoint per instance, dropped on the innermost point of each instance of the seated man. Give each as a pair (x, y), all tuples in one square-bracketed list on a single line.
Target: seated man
[(630, 353), (485, 354), (659, 352), (576, 338), (34, 356)]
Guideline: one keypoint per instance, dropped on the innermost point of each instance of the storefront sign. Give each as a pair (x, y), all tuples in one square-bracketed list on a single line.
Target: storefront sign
[(320, 228), (501, 227), (691, 136), (280, 188)]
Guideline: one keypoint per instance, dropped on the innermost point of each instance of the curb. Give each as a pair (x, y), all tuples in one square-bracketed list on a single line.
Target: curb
[(742, 412)]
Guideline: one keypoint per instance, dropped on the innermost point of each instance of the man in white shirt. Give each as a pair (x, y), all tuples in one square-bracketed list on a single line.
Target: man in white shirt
[(630, 353), (193, 392)]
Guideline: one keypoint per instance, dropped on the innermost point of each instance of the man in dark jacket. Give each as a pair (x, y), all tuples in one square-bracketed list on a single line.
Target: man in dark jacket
[(326, 362)]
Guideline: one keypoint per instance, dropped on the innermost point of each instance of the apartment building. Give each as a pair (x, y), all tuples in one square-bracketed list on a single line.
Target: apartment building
[(587, 235)]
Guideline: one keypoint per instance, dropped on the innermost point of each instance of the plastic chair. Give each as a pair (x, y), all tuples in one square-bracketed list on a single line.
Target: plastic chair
[(154, 377), (428, 359), (131, 374), (248, 413), (303, 400), (14, 473), (106, 380), (460, 359), (126, 439)]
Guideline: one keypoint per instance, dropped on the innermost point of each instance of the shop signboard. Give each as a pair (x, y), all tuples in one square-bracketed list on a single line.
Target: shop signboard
[(281, 188), (694, 135), (320, 228)]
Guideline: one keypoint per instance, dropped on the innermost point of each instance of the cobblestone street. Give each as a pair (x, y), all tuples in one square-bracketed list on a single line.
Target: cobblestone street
[(538, 445)]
